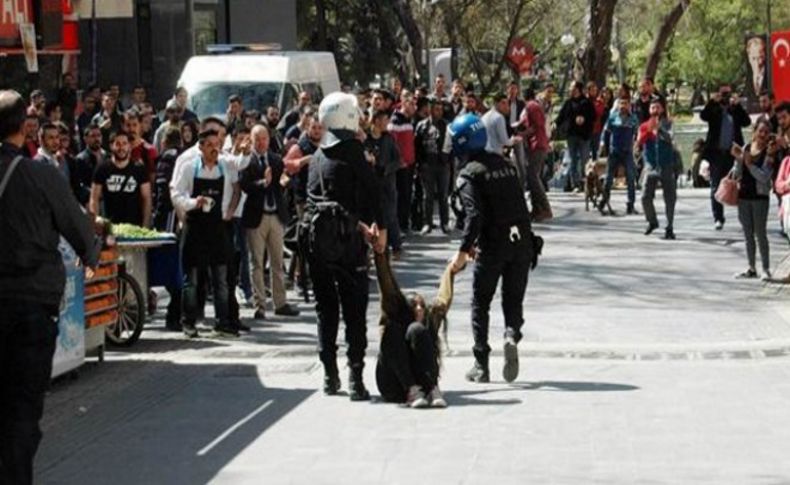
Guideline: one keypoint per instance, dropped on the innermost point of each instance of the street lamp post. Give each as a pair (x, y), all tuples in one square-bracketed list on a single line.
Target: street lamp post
[(568, 41)]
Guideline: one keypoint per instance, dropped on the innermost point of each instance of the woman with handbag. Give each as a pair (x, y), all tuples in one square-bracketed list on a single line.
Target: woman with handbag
[(755, 164)]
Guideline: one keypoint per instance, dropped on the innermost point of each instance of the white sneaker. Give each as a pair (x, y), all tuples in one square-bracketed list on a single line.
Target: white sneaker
[(719, 226), (766, 276), (437, 400), (416, 398)]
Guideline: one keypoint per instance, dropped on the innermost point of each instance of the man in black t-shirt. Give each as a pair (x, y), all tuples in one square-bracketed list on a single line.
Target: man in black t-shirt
[(124, 185)]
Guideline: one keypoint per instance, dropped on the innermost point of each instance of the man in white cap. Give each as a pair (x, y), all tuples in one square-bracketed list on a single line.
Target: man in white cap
[(343, 208)]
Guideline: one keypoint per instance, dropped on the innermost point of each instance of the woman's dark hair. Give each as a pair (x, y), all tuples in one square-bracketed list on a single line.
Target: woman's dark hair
[(193, 127), (12, 113)]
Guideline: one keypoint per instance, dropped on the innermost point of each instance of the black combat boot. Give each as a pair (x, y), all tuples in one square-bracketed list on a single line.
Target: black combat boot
[(331, 378), (356, 388), (479, 372)]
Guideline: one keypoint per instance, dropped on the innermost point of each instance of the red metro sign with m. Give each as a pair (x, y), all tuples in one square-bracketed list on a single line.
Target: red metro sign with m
[(520, 55), (780, 68), (13, 13)]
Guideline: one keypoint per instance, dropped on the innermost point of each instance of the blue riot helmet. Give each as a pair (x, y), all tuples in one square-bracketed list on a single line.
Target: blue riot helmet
[(468, 134)]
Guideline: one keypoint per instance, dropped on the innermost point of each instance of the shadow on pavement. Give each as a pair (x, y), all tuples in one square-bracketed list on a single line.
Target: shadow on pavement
[(571, 386), (161, 345), (466, 398), (133, 422)]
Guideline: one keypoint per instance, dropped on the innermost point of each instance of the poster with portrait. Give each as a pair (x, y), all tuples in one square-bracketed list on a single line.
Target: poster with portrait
[(756, 70)]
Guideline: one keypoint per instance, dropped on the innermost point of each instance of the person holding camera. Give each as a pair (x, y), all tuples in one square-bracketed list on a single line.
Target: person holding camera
[(725, 118), (756, 163)]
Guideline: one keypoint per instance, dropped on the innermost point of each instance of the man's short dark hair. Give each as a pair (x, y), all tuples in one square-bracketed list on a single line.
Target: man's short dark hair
[(132, 113), (46, 127), (178, 90), (211, 119), (206, 134), (768, 94), (138, 86), (13, 111), (422, 103), (119, 133), (50, 106), (379, 114), (513, 82), (91, 127), (36, 93), (234, 98), (529, 93), (253, 113), (499, 97), (172, 137), (783, 106), (579, 85)]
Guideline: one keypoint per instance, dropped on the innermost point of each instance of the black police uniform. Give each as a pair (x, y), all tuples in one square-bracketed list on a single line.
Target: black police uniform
[(498, 223), (348, 180)]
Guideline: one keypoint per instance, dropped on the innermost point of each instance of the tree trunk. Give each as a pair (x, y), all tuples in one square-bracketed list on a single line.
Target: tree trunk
[(406, 18), (503, 59), (596, 56), (320, 21), (668, 25)]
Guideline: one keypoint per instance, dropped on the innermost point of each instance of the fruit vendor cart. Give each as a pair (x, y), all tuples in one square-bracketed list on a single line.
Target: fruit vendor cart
[(147, 258)]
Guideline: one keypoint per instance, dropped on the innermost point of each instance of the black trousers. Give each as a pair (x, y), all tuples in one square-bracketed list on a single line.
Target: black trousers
[(510, 262), (335, 287), (219, 284), (404, 180), (233, 272), (27, 343), (406, 358), (435, 182)]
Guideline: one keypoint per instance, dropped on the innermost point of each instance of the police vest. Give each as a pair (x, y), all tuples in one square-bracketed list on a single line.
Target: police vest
[(497, 182)]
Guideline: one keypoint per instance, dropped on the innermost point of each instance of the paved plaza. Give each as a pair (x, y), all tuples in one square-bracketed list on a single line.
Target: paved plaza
[(644, 362)]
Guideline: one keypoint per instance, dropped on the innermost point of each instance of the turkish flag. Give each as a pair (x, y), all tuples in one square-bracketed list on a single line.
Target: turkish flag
[(780, 67)]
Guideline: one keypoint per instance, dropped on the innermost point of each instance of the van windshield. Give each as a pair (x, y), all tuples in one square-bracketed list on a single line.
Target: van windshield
[(211, 99)]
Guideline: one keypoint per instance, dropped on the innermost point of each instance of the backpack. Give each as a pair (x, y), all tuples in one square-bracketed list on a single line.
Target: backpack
[(332, 230)]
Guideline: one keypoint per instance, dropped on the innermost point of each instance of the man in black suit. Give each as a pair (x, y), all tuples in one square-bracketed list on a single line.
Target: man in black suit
[(726, 118), (264, 216)]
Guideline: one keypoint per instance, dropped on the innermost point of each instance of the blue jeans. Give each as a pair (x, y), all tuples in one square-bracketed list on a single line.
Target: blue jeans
[(577, 154), (616, 159)]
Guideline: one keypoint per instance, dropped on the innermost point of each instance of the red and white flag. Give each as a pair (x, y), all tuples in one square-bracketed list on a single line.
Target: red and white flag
[(780, 67)]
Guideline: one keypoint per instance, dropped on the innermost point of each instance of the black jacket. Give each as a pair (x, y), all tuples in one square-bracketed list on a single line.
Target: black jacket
[(713, 114), (349, 180), (250, 183), (493, 199), (572, 108), (84, 165), (36, 209)]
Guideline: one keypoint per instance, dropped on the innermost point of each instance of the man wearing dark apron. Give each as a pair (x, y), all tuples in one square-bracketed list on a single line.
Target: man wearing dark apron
[(205, 244)]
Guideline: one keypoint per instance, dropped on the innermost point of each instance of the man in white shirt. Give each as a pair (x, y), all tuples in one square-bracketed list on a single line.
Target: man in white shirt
[(205, 189), (496, 126)]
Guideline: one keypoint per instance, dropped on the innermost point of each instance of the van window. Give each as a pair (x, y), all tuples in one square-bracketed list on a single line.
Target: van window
[(315, 91), (290, 98), (211, 99)]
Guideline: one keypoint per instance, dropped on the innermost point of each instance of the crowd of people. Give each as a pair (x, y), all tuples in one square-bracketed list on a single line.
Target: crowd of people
[(358, 170)]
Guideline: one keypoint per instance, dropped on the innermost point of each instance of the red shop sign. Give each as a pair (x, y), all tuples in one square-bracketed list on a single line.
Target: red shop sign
[(13, 13)]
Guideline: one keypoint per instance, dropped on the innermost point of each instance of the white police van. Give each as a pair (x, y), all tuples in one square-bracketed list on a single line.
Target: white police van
[(261, 74)]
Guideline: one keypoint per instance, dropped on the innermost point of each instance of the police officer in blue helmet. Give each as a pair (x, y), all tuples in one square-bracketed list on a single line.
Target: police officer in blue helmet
[(498, 235)]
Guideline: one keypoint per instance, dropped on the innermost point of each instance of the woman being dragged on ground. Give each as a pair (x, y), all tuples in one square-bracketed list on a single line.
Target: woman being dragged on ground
[(408, 365)]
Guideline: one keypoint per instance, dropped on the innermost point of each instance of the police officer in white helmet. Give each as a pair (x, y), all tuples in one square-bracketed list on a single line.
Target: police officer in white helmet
[(343, 215)]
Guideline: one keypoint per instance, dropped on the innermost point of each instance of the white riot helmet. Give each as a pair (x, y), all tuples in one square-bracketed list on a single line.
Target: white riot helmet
[(339, 115)]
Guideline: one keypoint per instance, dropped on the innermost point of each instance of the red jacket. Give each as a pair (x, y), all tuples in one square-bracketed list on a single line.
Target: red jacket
[(402, 131)]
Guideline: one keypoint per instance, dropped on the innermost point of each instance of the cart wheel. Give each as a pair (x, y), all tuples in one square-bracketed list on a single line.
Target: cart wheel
[(131, 313)]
